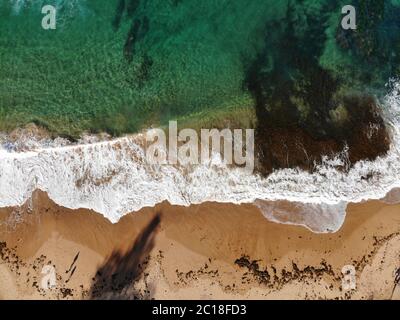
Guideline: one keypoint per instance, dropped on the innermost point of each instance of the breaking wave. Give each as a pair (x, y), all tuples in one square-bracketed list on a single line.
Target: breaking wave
[(113, 178)]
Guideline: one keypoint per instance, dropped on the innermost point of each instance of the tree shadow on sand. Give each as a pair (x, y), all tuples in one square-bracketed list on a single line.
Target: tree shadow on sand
[(115, 279)]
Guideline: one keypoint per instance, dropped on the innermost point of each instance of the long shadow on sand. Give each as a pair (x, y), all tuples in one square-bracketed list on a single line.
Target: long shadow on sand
[(115, 278)]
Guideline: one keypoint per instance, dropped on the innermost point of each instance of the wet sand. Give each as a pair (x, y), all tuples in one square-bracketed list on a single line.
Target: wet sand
[(207, 251)]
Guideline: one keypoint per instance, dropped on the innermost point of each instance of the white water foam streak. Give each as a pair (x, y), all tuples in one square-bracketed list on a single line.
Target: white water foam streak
[(113, 178)]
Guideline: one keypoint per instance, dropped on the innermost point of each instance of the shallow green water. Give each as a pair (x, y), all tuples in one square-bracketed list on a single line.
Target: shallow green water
[(188, 57)]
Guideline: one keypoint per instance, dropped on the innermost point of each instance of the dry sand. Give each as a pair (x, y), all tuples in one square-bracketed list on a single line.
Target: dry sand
[(205, 251)]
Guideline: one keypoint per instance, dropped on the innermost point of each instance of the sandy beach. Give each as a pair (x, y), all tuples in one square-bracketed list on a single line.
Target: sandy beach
[(207, 251)]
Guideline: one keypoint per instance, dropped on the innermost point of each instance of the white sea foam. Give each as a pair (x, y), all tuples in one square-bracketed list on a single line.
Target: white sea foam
[(319, 218), (113, 178)]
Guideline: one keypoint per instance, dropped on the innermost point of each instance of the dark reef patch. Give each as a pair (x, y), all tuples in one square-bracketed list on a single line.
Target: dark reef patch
[(131, 39), (364, 136), (118, 14), (305, 111)]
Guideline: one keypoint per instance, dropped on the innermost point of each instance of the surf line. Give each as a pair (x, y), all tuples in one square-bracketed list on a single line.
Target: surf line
[(183, 146)]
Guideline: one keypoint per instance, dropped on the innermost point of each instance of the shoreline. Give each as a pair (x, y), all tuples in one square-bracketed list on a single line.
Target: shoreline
[(124, 162)]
